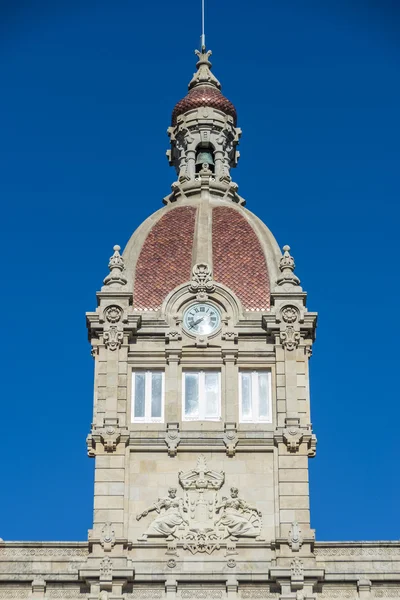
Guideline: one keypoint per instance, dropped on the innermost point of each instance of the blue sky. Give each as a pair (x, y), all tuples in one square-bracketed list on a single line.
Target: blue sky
[(87, 93)]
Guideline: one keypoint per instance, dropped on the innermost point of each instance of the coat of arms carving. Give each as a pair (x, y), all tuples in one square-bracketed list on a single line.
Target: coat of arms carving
[(201, 520)]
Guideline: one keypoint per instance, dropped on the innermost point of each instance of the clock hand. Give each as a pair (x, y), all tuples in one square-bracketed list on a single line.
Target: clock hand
[(196, 323)]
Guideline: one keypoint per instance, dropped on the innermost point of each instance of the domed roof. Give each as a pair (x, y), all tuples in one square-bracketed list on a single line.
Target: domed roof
[(204, 95), (162, 252), (204, 90)]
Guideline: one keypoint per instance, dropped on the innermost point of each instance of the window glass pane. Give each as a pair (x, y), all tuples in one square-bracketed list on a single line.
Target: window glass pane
[(211, 385), (263, 392), (156, 390), (139, 394), (191, 394), (247, 411)]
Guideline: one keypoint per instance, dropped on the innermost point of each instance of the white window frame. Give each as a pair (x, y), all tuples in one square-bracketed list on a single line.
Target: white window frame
[(147, 395), (255, 397), (201, 416)]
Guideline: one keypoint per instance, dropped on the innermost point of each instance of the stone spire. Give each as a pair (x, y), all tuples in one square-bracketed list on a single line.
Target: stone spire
[(116, 265), (286, 267)]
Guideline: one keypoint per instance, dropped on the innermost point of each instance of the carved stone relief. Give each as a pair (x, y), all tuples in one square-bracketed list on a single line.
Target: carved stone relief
[(230, 438), (113, 338), (107, 537), (146, 594), (257, 593), (296, 570), (331, 592), (290, 314), (295, 538), (201, 520), (202, 280), (110, 435), (381, 592), (106, 568), (11, 593), (292, 436), (113, 331), (290, 338), (202, 594), (172, 438)]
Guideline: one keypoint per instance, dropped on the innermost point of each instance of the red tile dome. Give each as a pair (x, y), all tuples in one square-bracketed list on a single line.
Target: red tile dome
[(204, 95), (238, 258), (165, 260)]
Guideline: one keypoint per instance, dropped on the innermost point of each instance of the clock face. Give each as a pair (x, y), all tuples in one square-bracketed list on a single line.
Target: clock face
[(201, 319)]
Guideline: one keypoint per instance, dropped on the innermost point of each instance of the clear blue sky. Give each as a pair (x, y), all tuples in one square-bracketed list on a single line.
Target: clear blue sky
[(87, 93)]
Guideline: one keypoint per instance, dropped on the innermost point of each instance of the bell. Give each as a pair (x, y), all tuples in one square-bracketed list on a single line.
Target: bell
[(204, 157)]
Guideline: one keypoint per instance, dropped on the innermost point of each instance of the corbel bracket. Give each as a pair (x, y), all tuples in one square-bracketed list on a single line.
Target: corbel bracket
[(230, 438), (172, 438), (109, 436), (293, 435)]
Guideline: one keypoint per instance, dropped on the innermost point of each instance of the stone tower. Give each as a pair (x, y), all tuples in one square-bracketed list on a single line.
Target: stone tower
[(201, 430), (201, 339)]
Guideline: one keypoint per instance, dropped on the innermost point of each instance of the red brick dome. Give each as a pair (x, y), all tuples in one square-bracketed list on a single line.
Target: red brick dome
[(204, 95)]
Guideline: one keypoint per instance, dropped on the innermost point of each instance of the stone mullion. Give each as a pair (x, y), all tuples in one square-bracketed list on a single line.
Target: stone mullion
[(100, 384), (173, 386), (281, 407), (122, 387), (291, 384), (302, 386), (112, 383), (231, 385)]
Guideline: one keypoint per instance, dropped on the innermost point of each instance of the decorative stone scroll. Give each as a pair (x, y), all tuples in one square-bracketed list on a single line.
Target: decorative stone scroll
[(201, 520)]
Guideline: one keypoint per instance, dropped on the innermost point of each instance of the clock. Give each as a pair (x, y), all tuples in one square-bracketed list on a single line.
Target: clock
[(201, 319)]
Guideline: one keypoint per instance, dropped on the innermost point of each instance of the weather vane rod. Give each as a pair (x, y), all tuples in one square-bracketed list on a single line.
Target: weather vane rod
[(203, 35)]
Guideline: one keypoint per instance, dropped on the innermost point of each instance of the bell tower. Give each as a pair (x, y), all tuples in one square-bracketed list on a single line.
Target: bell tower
[(201, 430)]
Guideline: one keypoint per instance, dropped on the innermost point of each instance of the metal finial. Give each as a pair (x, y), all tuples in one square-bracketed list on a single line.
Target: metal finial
[(203, 33)]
